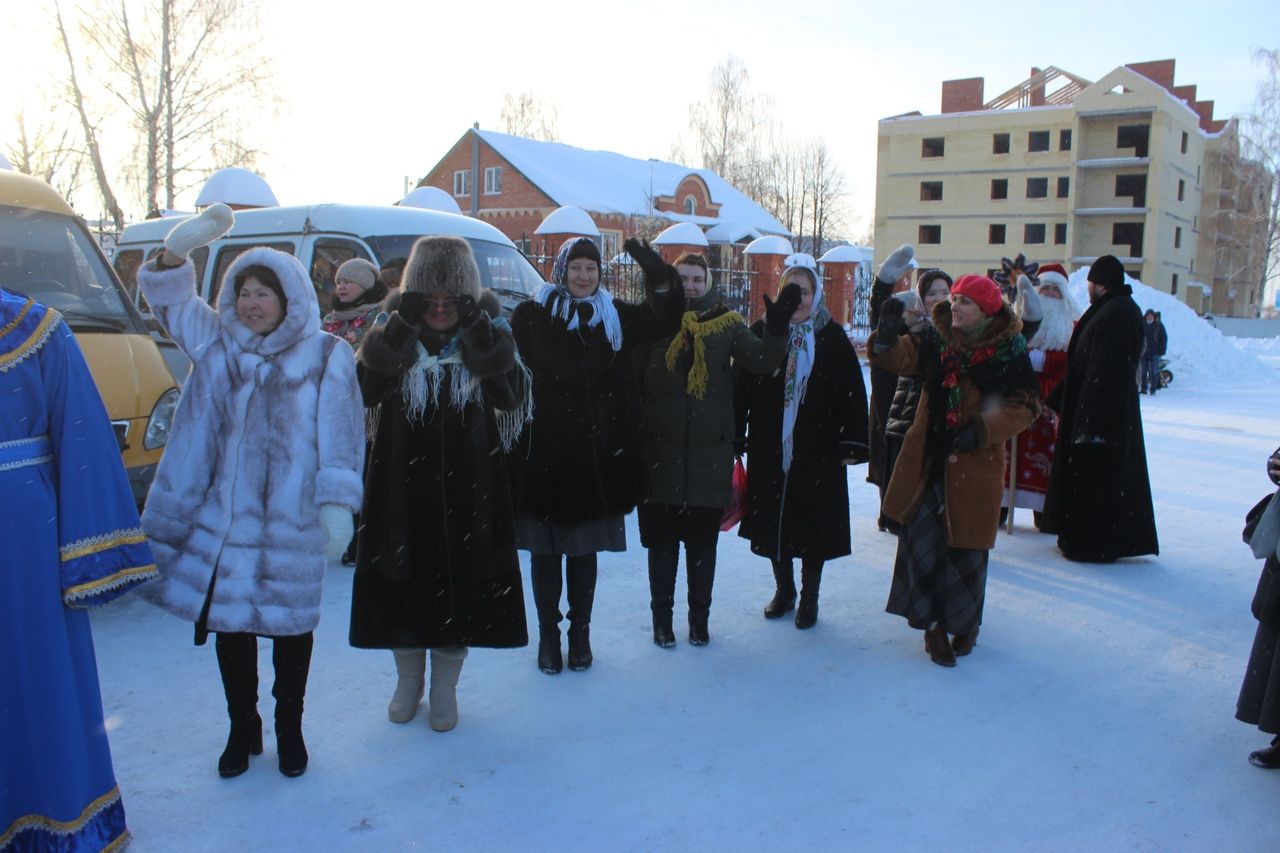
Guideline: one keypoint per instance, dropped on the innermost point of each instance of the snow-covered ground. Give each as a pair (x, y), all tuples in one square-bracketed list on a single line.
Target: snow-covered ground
[(1095, 714)]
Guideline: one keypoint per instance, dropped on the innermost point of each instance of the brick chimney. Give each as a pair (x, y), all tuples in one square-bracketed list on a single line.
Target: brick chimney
[(959, 96), (1037, 91)]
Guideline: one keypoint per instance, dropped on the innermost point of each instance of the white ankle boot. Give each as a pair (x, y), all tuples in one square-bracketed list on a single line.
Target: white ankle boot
[(411, 670), (189, 235), (446, 666)]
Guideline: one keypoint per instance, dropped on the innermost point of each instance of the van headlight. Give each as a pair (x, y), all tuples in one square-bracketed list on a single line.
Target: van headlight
[(157, 434)]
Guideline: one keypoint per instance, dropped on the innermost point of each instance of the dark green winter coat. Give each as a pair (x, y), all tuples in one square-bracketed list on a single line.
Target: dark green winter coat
[(688, 437)]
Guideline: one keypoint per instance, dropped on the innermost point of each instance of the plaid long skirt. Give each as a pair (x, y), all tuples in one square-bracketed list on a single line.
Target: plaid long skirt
[(931, 582)]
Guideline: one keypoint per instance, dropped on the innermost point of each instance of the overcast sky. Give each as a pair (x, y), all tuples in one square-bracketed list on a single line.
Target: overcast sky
[(377, 91)]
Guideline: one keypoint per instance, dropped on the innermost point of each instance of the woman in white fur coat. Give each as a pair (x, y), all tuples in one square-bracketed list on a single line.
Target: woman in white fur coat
[(260, 476)]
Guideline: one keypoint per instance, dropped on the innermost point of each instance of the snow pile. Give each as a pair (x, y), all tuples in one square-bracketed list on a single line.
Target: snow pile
[(1266, 350), (1198, 353)]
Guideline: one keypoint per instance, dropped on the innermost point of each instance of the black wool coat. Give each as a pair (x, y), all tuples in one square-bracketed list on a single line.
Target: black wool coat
[(580, 458), (804, 512), (883, 385), (1099, 499), (436, 563)]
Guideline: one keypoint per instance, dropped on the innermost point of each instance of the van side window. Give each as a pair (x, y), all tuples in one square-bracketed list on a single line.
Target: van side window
[(226, 255), (328, 254)]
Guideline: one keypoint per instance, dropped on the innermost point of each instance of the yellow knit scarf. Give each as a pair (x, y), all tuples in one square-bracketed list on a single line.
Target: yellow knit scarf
[(693, 330)]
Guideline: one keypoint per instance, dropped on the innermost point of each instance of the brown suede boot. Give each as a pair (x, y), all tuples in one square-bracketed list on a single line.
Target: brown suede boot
[(964, 643), (939, 649)]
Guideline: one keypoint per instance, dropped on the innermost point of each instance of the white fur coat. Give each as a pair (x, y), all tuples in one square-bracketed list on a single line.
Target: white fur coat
[(269, 428)]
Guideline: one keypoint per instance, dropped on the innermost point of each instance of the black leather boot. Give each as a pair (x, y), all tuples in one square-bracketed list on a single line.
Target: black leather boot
[(544, 575), (784, 598), (238, 665), (662, 592), (292, 659), (581, 572), (810, 581), (701, 560)]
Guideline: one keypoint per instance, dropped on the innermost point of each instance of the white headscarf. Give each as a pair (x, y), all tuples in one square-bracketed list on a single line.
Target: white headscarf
[(800, 347)]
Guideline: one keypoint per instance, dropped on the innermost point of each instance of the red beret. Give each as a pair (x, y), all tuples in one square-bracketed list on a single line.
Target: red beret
[(984, 292)]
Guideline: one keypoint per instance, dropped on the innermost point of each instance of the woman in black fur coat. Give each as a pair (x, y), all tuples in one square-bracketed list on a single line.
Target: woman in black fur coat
[(577, 466)]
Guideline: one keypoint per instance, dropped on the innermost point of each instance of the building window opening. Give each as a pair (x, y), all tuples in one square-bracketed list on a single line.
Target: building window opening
[(1038, 140), (1182, 190), (493, 180), (932, 147), (462, 182), (999, 188), (1177, 238), (1037, 187), (1000, 143), (1033, 233), (930, 234), (995, 234), (931, 190), (1134, 187), (1173, 285), (1135, 136), (1184, 142), (690, 205), (1128, 234), (1064, 139), (1064, 186), (1060, 233)]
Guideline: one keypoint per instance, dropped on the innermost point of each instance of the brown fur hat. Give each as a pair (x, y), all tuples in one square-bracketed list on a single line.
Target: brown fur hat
[(442, 265)]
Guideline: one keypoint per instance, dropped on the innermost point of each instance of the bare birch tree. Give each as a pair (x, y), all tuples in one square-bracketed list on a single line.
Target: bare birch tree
[(524, 114), (48, 150), (1260, 142)]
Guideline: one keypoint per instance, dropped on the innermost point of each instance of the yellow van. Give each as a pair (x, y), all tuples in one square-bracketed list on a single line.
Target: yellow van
[(47, 253)]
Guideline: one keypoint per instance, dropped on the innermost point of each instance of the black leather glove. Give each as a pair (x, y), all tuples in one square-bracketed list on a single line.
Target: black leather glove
[(658, 274), (479, 334), (412, 306), (890, 325), (1273, 467), (777, 315), (468, 311), (965, 439), (585, 313)]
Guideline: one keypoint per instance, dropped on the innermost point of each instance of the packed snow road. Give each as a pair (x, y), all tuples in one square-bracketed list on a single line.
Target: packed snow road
[(1095, 713)]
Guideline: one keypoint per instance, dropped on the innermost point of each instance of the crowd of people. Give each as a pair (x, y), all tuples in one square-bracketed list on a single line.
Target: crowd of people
[(426, 440)]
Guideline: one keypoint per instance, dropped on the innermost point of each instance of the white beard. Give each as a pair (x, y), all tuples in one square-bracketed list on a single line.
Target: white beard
[(1055, 330)]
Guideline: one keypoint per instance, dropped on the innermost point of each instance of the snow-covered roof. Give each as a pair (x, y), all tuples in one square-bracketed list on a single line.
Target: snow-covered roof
[(681, 234), (236, 186), (770, 245), (731, 232), (430, 198), (846, 255), (568, 220), (605, 182)]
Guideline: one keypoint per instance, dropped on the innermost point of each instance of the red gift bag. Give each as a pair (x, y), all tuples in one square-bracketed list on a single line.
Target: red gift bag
[(737, 508)]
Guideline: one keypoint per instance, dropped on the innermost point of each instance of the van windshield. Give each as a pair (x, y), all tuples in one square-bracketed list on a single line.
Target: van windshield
[(51, 258), (502, 268)]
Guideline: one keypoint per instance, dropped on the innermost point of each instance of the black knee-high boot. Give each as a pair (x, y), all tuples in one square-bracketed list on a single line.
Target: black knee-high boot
[(810, 581), (663, 560), (544, 574), (784, 597), (701, 560), (580, 572), (291, 656), (238, 665)]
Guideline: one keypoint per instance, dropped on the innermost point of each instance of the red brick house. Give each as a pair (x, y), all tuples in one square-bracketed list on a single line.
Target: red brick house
[(514, 183)]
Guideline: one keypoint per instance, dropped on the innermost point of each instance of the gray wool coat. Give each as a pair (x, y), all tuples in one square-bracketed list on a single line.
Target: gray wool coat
[(269, 428)]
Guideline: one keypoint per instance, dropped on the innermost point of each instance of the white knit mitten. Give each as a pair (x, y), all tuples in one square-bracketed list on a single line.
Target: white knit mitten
[(897, 263), (190, 234), (337, 522)]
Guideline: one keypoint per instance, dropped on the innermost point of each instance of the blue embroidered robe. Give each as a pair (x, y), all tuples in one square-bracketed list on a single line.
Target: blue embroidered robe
[(71, 540)]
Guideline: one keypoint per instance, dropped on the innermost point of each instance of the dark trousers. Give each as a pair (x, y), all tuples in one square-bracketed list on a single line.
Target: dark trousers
[(1150, 373), (544, 574), (238, 665)]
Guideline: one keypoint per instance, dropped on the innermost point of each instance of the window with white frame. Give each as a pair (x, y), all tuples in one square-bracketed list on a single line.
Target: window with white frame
[(493, 180), (462, 182), (690, 205)]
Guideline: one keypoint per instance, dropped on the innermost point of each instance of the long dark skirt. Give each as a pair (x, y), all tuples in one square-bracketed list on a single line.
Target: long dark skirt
[(1259, 702), (931, 582)]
